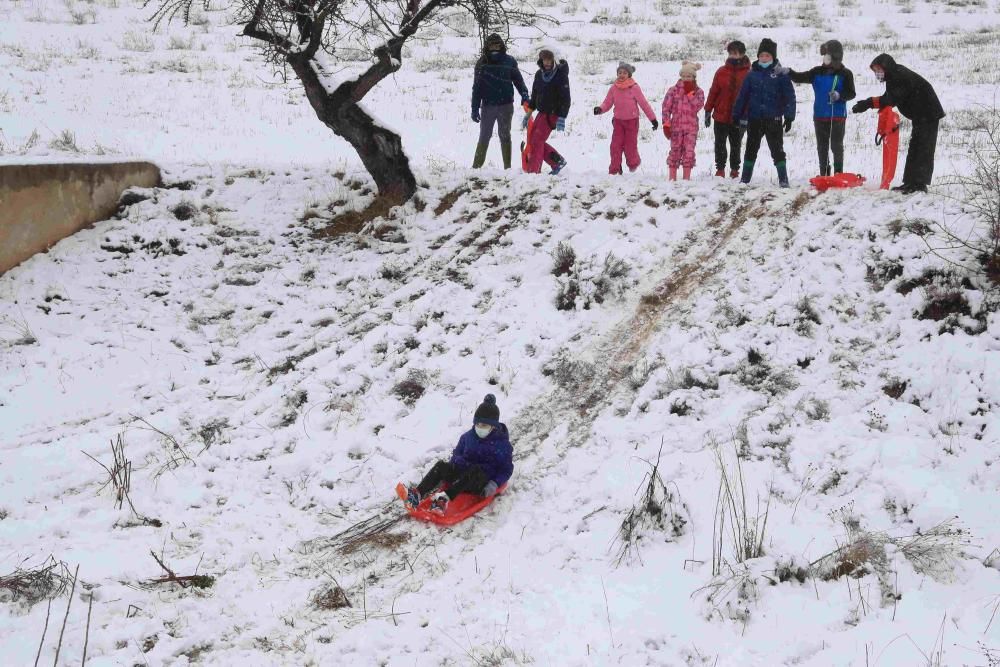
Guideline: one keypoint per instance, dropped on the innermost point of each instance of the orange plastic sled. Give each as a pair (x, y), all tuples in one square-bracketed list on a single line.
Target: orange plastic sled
[(526, 145), (824, 183), (462, 507), (888, 136)]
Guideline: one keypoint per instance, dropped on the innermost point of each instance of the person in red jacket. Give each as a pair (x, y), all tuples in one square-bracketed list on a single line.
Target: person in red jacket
[(719, 105)]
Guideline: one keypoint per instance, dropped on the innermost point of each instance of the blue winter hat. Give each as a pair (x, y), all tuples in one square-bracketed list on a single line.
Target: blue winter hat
[(487, 412)]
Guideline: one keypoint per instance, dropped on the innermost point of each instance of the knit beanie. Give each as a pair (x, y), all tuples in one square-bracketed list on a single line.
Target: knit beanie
[(737, 46), (487, 412), (690, 68), (835, 50), (625, 66), (768, 46)]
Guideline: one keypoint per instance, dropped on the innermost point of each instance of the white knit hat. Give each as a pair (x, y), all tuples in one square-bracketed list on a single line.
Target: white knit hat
[(690, 68)]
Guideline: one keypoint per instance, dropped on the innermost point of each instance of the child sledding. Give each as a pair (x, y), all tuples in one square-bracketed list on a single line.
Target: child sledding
[(480, 465)]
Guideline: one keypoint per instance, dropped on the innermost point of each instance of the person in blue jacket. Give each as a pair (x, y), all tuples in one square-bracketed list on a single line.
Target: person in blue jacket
[(481, 463), (833, 86), (495, 77), (765, 98)]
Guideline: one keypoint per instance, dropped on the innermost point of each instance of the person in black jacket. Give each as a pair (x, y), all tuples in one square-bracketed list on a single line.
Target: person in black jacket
[(833, 87), (915, 98), (550, 97), (496, 75)]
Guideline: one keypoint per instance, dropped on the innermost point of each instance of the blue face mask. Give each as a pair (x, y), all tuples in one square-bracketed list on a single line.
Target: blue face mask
[(494, 55), (764, 65)]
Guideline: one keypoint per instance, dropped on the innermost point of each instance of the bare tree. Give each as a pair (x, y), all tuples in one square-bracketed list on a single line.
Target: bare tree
[(304, 34)]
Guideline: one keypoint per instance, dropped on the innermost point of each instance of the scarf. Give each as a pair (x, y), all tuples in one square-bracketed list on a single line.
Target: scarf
[(548, 76), (689, 86), (626, 84)]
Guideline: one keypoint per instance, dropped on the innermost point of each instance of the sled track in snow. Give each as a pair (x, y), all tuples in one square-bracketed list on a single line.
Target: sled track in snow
[(616, 352)]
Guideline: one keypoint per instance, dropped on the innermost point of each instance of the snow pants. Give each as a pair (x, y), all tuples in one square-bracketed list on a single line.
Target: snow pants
[(499, 115), (727, 133), (757, 131), (682, 144), (624, 139), (919, 167), (460, 480), (539, 149), (830, 134)]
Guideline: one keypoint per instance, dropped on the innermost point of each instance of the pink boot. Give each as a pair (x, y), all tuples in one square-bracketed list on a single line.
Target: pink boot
[(673, 173), (687, 173)]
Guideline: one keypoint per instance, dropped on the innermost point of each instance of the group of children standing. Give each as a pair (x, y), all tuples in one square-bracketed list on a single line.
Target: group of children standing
[(752, 100)]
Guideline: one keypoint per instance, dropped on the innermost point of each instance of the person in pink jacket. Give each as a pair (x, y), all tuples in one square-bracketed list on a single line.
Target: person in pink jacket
[(626, 97), (680, 119)]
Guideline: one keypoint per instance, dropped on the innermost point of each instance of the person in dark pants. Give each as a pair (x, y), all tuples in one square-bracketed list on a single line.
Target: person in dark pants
[(496, 75), (833, 86), (719, 106), (915, 98), (765, 98), (482, 462)]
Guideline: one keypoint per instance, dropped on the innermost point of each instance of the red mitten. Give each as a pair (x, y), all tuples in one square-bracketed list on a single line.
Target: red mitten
[(666, 129)]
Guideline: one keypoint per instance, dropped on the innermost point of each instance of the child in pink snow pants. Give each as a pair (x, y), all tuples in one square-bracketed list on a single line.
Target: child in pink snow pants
[(627, 99), (680, 119)]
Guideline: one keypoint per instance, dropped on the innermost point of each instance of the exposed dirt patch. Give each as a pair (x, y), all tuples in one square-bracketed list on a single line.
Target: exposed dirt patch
[(448, 201), (352, 222)]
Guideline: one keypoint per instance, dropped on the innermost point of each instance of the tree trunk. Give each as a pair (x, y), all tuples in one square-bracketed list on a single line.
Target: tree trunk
[(380, 149)]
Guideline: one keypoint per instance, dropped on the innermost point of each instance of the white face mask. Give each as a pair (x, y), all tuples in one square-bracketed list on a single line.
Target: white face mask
[(483, 431), (880, 75), (827, 59)]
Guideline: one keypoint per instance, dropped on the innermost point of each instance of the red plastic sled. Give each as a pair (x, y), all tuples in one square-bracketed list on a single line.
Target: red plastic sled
[(526, 145), (462, 507), (888, 135), (824, 183)]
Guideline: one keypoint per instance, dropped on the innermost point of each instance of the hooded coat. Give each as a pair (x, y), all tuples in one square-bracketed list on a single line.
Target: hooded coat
[(495, 79), (493, 454), (826, 79), (550, 94), (906, 90)]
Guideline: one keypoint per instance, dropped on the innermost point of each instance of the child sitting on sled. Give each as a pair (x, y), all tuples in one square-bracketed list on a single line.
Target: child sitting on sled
[(627, 99), (482, 462), (680, 119)]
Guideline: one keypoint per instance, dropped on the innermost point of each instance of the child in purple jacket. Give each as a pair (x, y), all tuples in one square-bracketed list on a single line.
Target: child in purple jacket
[(482, 461), (626, 97), (680, 119)]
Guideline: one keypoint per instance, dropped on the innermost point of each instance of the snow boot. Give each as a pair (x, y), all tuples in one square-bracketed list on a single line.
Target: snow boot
[(560, 165), (735, 173), (782, 174), (747, 172), (720, 173), (838, 168), (480, 157), (505, 151), (412, 497), (687, 173), (673, 173), (439, 503), (824, 170)]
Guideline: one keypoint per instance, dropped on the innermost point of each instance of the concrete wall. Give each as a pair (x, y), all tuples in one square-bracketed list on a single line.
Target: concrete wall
[(41, 204)]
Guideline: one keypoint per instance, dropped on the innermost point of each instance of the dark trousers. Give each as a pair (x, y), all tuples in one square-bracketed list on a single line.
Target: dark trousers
[(769, 128), (727, 133), (466, 480), (830, 134), (919, 167)]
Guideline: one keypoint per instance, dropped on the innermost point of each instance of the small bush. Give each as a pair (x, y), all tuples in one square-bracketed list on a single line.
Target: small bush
[(657, 510), (137, 41), (894, 388), (806, 317), (680, 408), (184, 211), (563, 259), (33, 584), (66, 141), (412, 388)]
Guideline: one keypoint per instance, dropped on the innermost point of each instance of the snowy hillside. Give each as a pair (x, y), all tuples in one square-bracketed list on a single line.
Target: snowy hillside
[(270, 373)]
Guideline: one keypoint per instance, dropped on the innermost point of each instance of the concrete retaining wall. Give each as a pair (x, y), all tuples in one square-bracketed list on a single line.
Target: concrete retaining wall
[(41, 204)]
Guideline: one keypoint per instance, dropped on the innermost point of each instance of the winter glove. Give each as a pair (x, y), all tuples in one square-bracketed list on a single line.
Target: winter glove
[(862, 106), (524, 121), (526, 106), (490, 489), (656, 124), (475, 115), (666, 130), (597, 111), (561, 125), (834, 96), (781, 70), (708, 119), (788, 125)]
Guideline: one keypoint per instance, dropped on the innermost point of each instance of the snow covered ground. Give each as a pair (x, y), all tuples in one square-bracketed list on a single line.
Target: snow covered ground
[(271, 382)]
